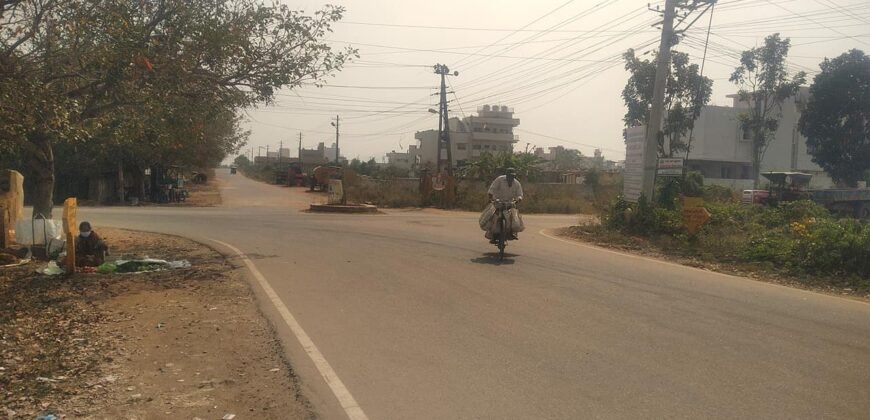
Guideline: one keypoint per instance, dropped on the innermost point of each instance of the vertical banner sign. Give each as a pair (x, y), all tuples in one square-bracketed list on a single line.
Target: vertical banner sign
[(71, 228), (635, 137)]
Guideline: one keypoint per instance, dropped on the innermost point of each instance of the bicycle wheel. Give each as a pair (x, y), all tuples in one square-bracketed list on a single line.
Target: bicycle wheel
[(502, 238)]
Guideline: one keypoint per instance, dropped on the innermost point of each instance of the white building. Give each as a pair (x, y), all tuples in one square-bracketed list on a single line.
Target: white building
[(722, 151), (491, 131), (404, 160)]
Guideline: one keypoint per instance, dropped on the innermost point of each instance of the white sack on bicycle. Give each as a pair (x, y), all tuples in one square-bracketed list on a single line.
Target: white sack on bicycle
[(516, 221), (486, 217)]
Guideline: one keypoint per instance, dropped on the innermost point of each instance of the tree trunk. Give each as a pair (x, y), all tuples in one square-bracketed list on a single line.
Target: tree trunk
[(140, 184), (41, 162), (120, 182)]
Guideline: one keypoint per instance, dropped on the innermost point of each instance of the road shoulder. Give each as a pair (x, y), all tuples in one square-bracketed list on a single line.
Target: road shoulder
[(170, 344), (638, 250)]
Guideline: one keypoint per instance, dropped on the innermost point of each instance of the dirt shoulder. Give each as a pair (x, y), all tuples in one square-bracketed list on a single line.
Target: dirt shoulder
[(188, 343), (634, 245)]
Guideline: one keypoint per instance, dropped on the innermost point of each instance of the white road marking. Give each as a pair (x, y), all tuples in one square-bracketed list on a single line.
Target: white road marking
[(348, 403)]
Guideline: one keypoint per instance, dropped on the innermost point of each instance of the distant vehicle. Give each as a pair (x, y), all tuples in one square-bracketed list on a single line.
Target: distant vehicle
[(290, 175), (233, 169), (792, 186)]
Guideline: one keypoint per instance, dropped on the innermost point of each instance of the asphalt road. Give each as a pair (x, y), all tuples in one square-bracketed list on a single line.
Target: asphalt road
[(416, 318)]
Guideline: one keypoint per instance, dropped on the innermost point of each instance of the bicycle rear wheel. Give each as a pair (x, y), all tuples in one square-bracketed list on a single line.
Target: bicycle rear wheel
[(502, 238)]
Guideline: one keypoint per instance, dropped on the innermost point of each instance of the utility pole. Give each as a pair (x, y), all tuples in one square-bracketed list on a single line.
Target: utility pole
[(656, 115), (444, 119), (300, 149), (336, 125), (280, 148), (654, 127)]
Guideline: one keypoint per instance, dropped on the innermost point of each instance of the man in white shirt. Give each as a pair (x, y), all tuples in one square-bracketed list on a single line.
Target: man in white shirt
[(505, 188)]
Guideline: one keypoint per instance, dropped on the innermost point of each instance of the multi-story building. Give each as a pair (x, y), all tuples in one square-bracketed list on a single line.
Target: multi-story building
[(404, 160), (722, 151), (490, 131)]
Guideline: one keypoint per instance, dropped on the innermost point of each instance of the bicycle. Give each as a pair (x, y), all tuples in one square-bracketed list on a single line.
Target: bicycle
[(502, 209)]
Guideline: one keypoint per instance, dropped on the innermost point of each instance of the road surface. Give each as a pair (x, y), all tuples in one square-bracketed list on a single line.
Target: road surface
[(414, 319)]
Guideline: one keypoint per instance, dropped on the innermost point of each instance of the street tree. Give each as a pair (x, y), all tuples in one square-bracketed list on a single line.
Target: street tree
[(685, 95), (764, 84), (242, 161), (489, 165), (836, 121), (566, 159)]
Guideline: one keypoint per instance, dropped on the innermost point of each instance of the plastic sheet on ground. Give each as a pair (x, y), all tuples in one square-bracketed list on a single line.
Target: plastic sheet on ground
[(143, 265), (52, 269)]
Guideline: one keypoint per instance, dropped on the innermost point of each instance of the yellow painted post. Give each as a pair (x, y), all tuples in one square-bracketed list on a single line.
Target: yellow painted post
[(71, 228), (694, 214), (5, 238)]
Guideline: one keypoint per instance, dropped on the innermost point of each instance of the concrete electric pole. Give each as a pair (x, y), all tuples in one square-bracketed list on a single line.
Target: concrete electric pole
[(444, 119), (336, 124), (654, 128), (656, 115)]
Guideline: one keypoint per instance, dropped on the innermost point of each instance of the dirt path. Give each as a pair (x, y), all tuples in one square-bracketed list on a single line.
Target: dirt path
[(181, 344)]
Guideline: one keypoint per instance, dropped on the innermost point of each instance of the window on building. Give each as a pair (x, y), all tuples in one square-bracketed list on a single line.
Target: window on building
[(725, 172), (745, 172), (747, 134), (485, 147), (476, 129), (461, 146), (475, 147)]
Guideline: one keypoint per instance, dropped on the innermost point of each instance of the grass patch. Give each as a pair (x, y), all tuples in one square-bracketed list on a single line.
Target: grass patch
[(799, 242)]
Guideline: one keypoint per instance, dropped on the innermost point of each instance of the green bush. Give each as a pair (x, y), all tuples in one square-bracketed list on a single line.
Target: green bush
[(795, 237), (642, 219), (720, 194), (790, 212), (768, 247), (838, 247), (727, 215)]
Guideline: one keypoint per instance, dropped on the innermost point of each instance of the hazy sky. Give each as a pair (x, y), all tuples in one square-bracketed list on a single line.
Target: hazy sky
[(556, 62)]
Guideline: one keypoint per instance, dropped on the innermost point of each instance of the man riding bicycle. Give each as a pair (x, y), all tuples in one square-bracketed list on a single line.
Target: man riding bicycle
[(505, 188)]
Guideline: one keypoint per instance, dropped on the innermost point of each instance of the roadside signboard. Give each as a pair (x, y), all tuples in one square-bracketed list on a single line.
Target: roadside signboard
[(336, 192), (635, 137), (670, 167), (694, 214)]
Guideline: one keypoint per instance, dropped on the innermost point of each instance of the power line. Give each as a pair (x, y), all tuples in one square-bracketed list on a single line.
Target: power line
[(569, 141), (463, 53), (377, 87), (561, 24), (544, 68)]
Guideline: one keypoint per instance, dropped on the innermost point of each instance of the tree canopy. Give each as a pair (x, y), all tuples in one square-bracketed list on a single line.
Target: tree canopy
[(764, 84), (686, 93), (148, 81), (836, 121)]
